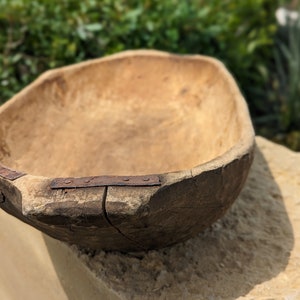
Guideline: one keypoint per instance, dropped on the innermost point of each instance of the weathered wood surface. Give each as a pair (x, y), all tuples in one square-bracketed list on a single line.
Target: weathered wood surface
[(135, 113)]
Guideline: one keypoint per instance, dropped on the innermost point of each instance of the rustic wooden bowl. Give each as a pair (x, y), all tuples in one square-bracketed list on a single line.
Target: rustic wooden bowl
[(174, 130)]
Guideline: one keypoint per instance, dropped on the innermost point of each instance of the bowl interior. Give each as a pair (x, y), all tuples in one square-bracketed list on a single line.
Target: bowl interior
[(129, 115)]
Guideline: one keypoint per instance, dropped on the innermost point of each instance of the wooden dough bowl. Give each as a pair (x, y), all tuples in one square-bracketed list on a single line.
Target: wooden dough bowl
[(134, 151)]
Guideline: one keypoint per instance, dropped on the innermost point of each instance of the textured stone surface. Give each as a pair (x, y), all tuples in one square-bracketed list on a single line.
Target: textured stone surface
[(253, 252), (29, 271)]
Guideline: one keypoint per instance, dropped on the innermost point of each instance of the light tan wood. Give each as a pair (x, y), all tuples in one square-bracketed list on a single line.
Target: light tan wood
[(138, 114)]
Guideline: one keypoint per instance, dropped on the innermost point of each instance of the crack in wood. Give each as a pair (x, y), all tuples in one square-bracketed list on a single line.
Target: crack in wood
[(111, 224)]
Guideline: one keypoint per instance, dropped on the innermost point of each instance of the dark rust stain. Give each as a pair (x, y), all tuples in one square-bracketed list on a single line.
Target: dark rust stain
[(184, 91)]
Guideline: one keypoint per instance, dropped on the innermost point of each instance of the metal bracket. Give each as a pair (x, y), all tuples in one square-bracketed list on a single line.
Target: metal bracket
[(98, 181), (9, 173)]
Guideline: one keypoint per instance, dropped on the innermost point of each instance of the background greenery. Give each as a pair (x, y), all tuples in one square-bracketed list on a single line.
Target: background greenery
[(38, 35)]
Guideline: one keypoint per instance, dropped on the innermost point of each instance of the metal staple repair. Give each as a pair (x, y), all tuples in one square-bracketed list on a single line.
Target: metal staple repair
[(10, 174), (98, 181)]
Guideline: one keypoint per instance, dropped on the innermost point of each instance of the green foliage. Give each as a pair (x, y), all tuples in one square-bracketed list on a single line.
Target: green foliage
[(288, 71), (37, 35), (282, 121)]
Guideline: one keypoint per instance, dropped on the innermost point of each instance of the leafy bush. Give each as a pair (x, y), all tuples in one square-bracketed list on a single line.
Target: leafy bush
[(288, 66), (37, 35), (285, 92)]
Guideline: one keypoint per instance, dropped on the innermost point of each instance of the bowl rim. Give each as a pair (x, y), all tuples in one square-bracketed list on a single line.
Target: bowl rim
[(244, 145)]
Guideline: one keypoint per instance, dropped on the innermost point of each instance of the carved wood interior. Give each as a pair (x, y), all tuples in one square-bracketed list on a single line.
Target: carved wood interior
[(126, 116)]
